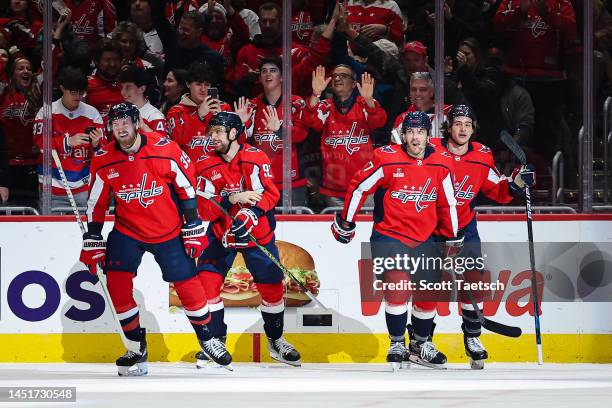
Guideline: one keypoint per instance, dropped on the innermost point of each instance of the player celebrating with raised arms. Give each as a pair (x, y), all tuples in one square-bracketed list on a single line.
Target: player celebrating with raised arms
[(153, 185), (414, 197), (475, 173), (239, 178)]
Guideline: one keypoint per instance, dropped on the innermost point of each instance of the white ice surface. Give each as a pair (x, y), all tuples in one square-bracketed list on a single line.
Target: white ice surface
[(316, 385)]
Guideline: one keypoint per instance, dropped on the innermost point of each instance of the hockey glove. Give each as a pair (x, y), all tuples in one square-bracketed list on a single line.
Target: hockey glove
[(453, 246), (343, 230), (194, 238), (246, 220), (521, 177), (229, 240), (93, 251)]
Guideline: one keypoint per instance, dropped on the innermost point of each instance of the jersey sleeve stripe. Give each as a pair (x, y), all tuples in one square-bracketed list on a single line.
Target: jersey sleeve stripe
[(94, 196), (256, 181), (357, 194), (449, 191), (181, 179)]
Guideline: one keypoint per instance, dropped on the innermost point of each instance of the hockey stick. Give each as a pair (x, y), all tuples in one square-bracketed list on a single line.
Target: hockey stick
[(490, 325), (270, 255), (511, 144), (100, 275)]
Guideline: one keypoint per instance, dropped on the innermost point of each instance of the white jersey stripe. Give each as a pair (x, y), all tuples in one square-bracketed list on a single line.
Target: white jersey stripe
[(181, 180), (94, 196), (365, 185), (449, 192), (255, 181)]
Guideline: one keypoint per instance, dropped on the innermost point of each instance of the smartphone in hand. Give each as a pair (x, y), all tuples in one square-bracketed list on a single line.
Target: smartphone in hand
[(213, 93), (88, 130)]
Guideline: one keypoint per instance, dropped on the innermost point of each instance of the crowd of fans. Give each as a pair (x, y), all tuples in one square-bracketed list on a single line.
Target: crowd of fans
[(357, 67)]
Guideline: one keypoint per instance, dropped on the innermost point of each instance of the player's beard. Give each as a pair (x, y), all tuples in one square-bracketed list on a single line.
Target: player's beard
[(127, 143)]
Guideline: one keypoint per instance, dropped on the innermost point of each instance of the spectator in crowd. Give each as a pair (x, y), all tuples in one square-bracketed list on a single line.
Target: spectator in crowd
[(175, 86), (189, 48), (85, 15), (251, 19), (422, 99), (4, 57), (103, 88), (540, 34), (188, 119), (226, 33), (149, 17), (346, 121), (20, 28), (267, 44), (129, 40), (265, 131), (136, 87), (20, 101), (77, 131), (377, 19)]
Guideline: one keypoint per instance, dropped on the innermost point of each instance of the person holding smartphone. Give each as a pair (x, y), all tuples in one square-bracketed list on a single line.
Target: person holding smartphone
[(78, 131)]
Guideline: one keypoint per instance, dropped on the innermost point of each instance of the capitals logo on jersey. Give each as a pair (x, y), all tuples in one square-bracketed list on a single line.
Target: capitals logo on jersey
[(464, 190), (140, 192), (348, 140), (202, 141), (411, 194), (272, 139)]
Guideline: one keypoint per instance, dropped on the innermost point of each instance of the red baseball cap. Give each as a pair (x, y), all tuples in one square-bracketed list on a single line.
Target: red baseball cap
[(416, 47)]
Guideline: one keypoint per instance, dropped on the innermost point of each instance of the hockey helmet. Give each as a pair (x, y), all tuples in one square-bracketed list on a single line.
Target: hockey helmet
[(416, 119), (229, 120), (461, 110), (122, 110)]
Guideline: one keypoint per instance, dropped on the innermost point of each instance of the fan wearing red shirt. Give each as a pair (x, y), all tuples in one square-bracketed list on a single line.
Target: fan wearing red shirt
[(152, 182), (103, 87), (265, 127), (346, 121)]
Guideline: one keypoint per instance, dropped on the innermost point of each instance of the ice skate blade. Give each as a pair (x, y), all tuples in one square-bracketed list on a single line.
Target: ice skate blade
[(417, 360), (282, 360), (137, 370), (207, 364), (477, 364), (395, 367)]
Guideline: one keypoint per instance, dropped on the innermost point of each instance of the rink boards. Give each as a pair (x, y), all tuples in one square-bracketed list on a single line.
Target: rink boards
[(51, 311)]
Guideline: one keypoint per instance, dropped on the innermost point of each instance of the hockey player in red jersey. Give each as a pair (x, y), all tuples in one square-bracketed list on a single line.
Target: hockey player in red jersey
[(153, 185), (135, 87), (187, 121), (239, 177), (414, 198), (265, 127), (346, 121), (475, 173), (78, 132)]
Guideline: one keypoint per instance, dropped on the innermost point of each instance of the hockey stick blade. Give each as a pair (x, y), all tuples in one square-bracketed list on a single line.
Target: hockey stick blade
[(499, 328), (263, 249), (511, 144)]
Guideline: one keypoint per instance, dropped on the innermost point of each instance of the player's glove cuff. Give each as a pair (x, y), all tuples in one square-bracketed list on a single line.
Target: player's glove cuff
[(343, 230), (194, 238), (521, 177), (246, 220), (453, 246)]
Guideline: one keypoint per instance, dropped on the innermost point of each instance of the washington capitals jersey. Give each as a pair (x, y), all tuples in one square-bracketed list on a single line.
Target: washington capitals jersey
[(153, 118), (145, 186), (102, 94), (188, 130), (271, 142), (345, 142), (17, 119), (249, 170), (75, 160), (413, 197), (387, 13), (475, 172), (86, 17)]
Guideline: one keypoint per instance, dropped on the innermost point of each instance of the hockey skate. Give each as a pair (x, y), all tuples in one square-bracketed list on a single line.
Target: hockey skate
[(398, 355), (475, 352), (283, 352), (134, 362), (425, 353), (215, 350), (202, 361)]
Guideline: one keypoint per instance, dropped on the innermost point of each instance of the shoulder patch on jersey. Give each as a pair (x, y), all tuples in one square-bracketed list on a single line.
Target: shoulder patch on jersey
[(202, 158), (100, 152), (387, 149), (299, 103), (163, 141), (484, 149), (252, 149), (445, 153)]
